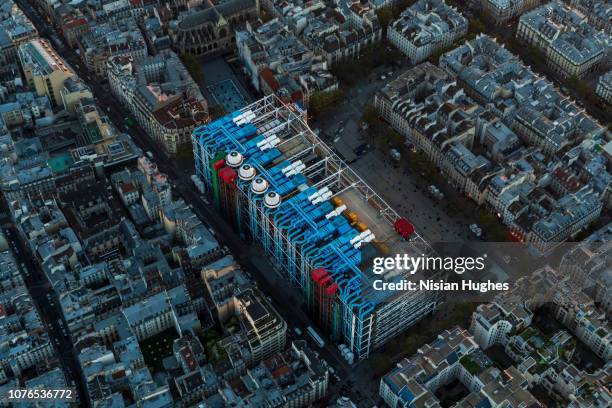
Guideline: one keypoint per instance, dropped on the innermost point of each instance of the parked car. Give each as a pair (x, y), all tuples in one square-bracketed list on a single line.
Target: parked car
[(476, 230)]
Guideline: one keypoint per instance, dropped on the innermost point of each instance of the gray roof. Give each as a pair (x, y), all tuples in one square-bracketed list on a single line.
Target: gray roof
[(567, 32), (193, 19)]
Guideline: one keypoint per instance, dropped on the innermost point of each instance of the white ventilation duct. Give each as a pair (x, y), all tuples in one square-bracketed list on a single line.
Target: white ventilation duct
[(272, 199), (293, 168), (234, 159), (336, 212), (259, 185), (246, 172)]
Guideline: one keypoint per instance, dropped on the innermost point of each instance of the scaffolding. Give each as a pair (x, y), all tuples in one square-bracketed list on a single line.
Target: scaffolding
[(312, 215)]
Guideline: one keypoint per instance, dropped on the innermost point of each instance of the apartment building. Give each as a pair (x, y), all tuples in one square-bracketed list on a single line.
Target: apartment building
[(570, 215), (477, 98), (44, 70), (174, 122), (549, 361), (279, 63), (336, 31), (425, 105), (572, 47), (265, 329), (529, 104), (73, 25), (24, 345), (224, 279), (108, 40), (151, 316), (494, 323), (26, 175), (501, 11), (604, 87), (156, 193), (75, 90), (599, 13), (578, 312), (426, 27), (454, 355), (294, 378), (161, 95), (496, 137), (15, 30)]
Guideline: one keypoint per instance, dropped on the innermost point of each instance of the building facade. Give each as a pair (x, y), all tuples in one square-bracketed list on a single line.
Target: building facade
[(210, 30), (571, 46), (501, 11), (44, 69), (161, 95), (426, 27), (604, 87)]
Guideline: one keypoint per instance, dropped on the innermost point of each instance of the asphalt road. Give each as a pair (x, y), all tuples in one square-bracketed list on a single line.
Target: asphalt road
[(284, 299)]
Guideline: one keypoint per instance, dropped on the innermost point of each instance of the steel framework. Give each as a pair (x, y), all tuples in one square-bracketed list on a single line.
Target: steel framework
[(287, 190)]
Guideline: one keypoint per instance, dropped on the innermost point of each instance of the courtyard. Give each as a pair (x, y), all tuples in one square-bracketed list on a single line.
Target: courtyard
[(156, 348)]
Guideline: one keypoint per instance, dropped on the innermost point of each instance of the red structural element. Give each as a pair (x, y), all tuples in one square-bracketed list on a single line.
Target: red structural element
[(228, 175), (318, 274), (332, 289), (219, 164), (403, 227), (322, 278), (322, 297), (325, 281)]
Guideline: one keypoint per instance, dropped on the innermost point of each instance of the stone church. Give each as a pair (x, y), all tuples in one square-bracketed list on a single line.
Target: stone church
[(210, 30)]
